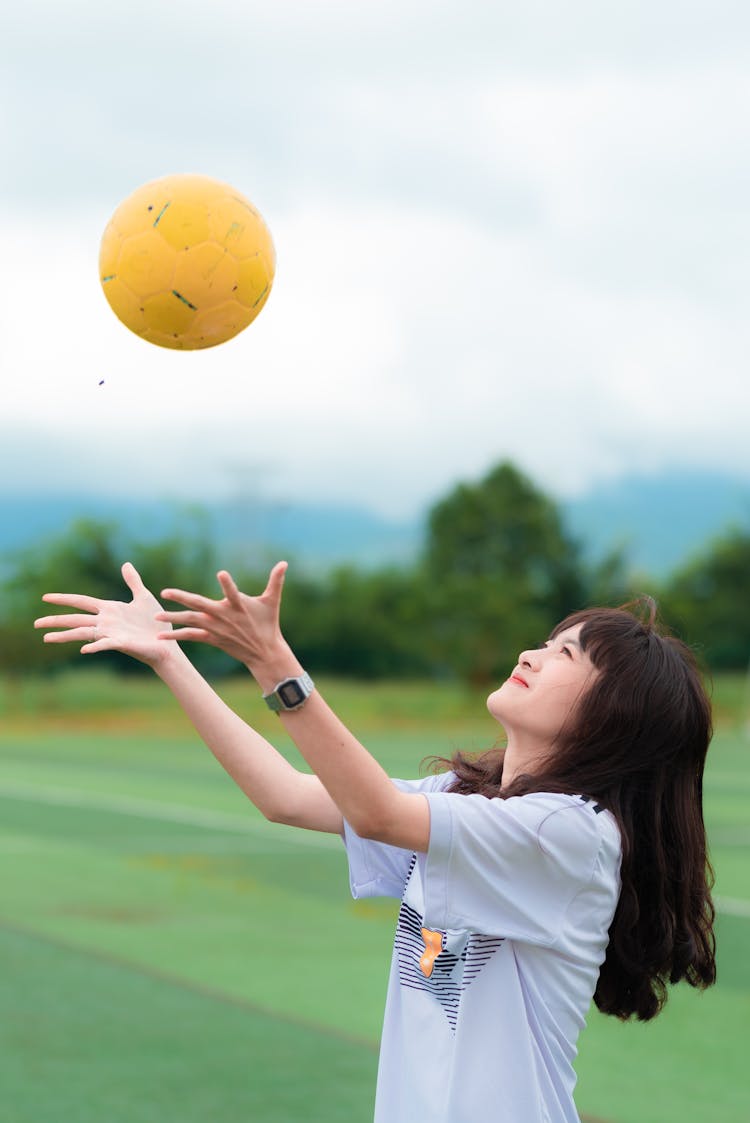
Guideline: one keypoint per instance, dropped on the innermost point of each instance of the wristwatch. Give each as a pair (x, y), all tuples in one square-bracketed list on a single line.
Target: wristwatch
[(290, 693)]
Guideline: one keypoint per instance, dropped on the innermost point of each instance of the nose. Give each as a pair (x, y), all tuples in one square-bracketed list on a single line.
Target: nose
[(529, 658)]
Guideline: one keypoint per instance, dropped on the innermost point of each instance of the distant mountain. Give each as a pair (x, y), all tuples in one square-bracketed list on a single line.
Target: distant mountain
[(321, 535), (658, 520)]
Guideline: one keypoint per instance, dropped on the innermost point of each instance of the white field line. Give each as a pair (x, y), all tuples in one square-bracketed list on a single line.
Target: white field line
[(216, 820), (729, 836), (170, 812), (732, 906)]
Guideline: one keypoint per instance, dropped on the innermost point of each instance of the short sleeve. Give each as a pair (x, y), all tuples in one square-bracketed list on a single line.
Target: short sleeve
[(507, 867), (377, 869)]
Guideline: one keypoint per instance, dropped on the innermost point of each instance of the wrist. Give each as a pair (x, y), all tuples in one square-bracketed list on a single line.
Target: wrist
[(274, 667), (170, 655)]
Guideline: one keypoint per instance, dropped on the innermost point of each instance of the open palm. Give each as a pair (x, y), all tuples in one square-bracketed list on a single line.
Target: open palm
[(110, 625)]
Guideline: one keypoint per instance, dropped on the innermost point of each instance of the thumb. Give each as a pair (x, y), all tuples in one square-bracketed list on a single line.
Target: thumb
[(275, 584), (132, 578)]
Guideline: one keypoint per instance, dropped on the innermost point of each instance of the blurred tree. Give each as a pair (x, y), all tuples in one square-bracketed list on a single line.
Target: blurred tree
[(366, 624), (86, 558), (501, 571), (708, 601), (498, 571), (610, 581)]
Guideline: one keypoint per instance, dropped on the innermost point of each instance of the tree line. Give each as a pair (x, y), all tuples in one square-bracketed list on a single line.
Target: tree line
[(498, 568)]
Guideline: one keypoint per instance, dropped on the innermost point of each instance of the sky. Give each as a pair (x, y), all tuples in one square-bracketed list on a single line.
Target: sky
[(503, 231)]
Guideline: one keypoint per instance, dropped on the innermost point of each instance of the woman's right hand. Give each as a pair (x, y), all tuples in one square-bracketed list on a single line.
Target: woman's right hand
[(111, 625)]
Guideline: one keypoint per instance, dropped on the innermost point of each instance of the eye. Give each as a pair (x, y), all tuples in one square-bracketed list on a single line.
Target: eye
[(567, 651)]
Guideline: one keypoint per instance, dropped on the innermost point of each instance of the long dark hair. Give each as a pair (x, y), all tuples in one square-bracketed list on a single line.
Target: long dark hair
[(636, 743)]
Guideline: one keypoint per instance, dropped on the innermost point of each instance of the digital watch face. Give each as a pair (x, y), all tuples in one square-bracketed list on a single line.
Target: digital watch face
[(291, 694)]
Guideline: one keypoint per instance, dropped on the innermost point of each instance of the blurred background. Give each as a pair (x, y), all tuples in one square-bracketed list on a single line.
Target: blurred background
[(501, 374)]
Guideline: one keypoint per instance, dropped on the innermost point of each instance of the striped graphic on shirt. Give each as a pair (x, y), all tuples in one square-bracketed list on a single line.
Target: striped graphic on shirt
[(425, 963)]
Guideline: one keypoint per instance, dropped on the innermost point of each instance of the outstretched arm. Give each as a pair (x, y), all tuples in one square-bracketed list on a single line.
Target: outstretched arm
[(248, 628), (280, 791)]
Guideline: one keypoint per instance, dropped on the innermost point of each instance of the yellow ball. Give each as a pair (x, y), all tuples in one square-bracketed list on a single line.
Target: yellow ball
[(186, 262)]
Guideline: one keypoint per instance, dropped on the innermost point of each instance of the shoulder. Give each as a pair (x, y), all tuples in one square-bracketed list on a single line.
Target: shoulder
[(568, 829), (576, 828), (548, 813), (556, 812)]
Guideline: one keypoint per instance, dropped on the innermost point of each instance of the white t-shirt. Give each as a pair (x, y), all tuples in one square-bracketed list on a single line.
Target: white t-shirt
[(502, 930)]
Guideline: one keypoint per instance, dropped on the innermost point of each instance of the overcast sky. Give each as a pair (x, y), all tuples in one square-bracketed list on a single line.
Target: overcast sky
[(503, 230)]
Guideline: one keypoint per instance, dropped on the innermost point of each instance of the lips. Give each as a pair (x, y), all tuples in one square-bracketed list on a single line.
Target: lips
[(516, 678)]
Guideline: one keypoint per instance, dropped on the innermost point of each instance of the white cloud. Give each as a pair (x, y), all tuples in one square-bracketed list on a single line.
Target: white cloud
[(501, 232), (397, 351)]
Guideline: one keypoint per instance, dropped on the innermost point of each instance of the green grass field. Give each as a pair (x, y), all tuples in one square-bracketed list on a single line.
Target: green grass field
[(170, 956)]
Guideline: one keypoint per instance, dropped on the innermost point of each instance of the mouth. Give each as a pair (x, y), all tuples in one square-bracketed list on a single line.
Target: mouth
[(516, 678)]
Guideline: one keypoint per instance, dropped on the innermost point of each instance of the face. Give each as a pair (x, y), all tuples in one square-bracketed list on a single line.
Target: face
[(544, 689)]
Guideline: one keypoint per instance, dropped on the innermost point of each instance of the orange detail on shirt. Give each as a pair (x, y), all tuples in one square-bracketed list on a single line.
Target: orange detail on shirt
[(433, 945)]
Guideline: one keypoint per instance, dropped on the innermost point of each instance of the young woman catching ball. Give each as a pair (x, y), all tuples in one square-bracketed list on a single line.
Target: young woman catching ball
[(569, 865)]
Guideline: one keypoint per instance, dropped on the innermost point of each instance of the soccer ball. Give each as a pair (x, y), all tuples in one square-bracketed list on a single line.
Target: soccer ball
[(186, 262)]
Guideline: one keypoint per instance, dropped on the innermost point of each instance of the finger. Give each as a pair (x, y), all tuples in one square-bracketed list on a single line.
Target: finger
[(187, 619), (229, 588), (98, 645), (73, 600), (276, 581), (132, 578), (74, 635), (197, 635), (64, 621), (190, 600)]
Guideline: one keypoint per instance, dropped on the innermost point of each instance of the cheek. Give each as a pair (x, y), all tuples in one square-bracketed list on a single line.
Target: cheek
[(572, 698)]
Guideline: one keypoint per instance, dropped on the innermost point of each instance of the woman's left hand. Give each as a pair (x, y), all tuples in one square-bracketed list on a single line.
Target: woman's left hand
[(245, 627)]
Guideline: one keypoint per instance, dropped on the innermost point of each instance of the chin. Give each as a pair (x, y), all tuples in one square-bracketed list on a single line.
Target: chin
[(494, 703)]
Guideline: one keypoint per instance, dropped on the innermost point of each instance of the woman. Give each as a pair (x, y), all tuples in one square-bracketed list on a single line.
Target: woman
[(569, 865)]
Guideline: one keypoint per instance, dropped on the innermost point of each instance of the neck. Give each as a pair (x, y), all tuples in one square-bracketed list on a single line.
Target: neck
[(521, 756)]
